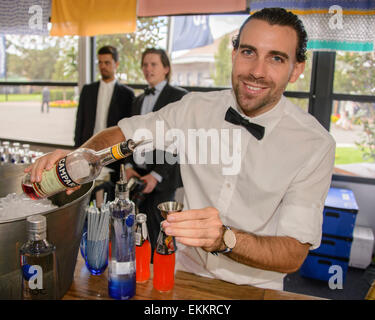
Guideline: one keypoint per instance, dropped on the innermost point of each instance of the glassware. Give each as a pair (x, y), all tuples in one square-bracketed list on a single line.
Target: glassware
[(25, 155), (164, 255), (15, 153), (38, 262), (122, 265), (78, 167), (96, 239), (5, 155), (142, 249)]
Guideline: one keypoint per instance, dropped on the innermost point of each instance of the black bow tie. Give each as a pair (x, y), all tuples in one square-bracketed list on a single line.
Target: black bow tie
[(149, 91), (234, 117)]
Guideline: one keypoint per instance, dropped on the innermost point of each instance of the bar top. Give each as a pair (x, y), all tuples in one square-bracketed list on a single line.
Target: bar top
[(187, 287)]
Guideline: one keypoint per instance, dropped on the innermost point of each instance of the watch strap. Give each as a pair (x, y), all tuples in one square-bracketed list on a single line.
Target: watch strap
[(226, 250)]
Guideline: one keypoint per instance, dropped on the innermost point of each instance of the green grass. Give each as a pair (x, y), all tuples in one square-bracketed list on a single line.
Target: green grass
[(345, 155), (21, 97)]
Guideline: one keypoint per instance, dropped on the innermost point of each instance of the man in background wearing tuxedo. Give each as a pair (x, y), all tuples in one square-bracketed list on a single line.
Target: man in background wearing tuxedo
[(103, 103), (162, 180)]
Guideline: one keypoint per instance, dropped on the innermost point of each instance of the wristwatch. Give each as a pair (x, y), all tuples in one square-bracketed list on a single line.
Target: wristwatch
[(229, 239)]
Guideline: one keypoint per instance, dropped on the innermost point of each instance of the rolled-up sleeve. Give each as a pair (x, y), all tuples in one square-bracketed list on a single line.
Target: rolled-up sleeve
[(301, 211)]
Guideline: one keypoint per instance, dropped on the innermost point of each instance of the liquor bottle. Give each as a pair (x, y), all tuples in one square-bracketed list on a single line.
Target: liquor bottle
[(78, 167), (121, 271), (25, 155), (142, 249), (38, 262), (5, 154), (164, 262), (15, 154)]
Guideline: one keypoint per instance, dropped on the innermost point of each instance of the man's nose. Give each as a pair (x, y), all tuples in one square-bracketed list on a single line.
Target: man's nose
[(258, 68)]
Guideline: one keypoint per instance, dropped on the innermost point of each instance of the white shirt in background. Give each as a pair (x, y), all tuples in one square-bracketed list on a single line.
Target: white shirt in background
[(103, 102)]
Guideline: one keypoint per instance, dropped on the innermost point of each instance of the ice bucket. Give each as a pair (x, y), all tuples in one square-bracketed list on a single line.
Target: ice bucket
[(64, 230)]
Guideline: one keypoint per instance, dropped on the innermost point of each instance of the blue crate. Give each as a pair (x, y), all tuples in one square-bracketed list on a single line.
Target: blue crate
[(338, 222), (334, 246), (340, 212), (341, 199), (317, 267)]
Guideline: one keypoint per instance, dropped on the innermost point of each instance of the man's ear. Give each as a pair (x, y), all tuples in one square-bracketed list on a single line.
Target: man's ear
[(298, 69), (234, 51)]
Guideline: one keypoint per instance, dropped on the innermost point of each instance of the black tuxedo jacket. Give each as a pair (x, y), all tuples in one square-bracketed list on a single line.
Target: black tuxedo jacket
[(170, 173), (120, 107)]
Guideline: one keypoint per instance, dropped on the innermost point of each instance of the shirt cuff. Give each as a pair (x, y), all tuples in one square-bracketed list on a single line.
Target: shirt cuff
[(157, 176), (128, 166)]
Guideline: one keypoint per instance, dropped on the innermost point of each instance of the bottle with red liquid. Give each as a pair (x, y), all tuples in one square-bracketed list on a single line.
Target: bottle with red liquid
[(142, 249), (78, 167), (164, 262)]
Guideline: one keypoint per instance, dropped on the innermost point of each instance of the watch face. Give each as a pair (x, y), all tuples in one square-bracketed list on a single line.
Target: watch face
[(229, 238)]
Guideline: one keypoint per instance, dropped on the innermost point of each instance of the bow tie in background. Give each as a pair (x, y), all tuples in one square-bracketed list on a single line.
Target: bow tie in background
[(234, 117), (149, 91)]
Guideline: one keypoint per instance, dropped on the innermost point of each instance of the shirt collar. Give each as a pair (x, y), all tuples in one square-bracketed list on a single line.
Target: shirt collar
[(160, 86), (108, 84)]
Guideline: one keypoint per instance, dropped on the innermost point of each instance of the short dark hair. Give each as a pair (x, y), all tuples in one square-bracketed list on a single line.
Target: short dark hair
[(163, 57), (109, 50), (280, 17)]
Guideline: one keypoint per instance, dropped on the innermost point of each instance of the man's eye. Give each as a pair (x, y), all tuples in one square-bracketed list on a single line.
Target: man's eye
[(278, 59), (247, 52)]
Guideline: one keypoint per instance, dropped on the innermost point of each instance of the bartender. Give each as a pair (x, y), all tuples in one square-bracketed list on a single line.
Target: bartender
[(254, 222)]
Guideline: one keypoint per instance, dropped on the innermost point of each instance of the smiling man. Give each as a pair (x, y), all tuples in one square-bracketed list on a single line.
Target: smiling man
[(254, 226)]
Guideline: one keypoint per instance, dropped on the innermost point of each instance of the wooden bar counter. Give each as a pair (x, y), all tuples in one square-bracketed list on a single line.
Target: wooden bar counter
[(187, 287)]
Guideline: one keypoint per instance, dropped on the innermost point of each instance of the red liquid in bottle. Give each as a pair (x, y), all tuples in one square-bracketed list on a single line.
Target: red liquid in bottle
[(29, 190), (164, 271), (142, 261)]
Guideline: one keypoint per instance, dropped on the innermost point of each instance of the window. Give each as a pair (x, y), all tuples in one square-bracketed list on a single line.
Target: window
[(38, 58), (353, 113), (34, 63), (355, 73)]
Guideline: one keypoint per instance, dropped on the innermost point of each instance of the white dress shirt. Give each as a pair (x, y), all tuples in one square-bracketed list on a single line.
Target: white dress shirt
[(104, 100), (150, 99), (279, 191), (147, 106)]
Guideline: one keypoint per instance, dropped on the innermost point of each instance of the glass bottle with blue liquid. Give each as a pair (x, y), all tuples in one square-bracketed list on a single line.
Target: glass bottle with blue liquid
[(121, 269), (38, 262)]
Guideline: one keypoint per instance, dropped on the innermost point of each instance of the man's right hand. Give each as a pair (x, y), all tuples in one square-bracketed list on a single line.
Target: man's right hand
[(130, 172), (45, 162)]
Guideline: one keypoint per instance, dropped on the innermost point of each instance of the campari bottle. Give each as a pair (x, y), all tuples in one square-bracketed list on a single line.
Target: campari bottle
[(78, 167)]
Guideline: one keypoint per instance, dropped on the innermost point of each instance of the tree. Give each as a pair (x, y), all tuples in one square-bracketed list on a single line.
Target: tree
[(131, 45), (223, 63), (42, 58)]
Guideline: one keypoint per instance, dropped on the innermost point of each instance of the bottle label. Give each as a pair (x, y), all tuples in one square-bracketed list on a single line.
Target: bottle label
[(116, 152), (54, 180), (121, 268)]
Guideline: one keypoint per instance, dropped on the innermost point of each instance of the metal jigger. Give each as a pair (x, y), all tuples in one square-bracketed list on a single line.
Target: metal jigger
[(167, 244), (170, 207)]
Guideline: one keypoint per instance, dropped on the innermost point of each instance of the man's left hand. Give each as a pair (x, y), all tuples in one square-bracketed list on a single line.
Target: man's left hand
[(151, 183), (198, 228)]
